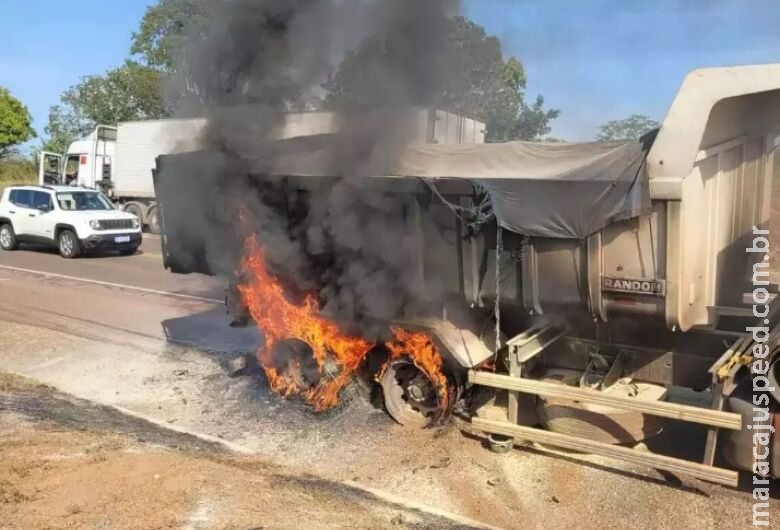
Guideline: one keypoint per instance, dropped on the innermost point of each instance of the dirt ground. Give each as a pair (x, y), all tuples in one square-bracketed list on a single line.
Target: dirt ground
[(67, 463), (528, 488)]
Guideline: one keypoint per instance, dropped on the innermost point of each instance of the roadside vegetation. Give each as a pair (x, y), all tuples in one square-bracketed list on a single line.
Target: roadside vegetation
[(17, 171), (631, 128), (15, 129)]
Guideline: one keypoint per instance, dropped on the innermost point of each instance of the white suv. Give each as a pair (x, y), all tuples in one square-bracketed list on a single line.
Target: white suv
[(75, 220)]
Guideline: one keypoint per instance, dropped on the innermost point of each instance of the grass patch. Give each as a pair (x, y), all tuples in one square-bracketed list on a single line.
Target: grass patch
[(15, 383), (16, 172)]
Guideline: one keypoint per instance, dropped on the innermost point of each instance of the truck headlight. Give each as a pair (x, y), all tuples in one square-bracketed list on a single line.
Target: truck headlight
[(94, 224), (136, 222)]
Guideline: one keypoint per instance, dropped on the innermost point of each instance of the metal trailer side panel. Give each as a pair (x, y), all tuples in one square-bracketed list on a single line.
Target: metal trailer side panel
[(140, 143), (726, 194), (722, 201), (453, 129), (713, 165)]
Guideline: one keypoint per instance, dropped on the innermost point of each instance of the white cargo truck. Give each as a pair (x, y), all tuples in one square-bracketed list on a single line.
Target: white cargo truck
[(119, 160)]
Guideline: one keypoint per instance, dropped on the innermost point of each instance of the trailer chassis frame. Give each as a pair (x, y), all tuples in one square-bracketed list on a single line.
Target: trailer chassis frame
[(722, 374)]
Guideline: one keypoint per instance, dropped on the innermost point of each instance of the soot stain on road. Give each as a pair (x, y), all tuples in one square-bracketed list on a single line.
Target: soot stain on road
[(44, 404)]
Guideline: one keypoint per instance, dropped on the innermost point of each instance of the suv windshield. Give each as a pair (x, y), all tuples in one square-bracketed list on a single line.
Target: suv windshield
[(83, 200)]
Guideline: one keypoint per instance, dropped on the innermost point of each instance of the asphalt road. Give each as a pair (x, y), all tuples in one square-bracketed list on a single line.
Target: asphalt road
[(125, 294), (143, 270)]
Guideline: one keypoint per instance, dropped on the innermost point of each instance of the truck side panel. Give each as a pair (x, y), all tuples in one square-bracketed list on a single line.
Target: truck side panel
[(140, 143)]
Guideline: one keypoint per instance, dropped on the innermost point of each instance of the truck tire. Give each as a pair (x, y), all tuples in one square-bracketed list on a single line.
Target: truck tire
[(68, 244), (597, 422), (134, 209), (8, 239), (737, 446), (153, 220)]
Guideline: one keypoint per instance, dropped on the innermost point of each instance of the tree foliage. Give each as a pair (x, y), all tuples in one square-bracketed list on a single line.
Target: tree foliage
[(475, 80), (130, 92), (65, 125), (165, 29), (15, 124), (631, 128)]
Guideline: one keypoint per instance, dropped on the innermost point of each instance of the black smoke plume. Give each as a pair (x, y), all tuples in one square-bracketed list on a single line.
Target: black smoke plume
[(346, 238)]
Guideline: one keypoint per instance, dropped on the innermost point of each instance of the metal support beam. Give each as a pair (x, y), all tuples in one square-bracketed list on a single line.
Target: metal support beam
[(660, 462), (523, 348), (712, 433), (725, 420)]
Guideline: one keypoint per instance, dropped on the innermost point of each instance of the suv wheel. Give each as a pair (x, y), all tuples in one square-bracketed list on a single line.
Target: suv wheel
[(69, 244), (8, 238)]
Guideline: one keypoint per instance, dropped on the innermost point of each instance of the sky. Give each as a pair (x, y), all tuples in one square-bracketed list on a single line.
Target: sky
[(595, 60)]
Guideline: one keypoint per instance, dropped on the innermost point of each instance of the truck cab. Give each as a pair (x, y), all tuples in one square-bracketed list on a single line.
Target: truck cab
[(88, 162)]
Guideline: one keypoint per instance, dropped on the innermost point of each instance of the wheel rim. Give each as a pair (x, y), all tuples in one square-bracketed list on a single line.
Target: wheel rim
[(5, 236), (154, 222), (410, 396), (133, 210), (66, 244)]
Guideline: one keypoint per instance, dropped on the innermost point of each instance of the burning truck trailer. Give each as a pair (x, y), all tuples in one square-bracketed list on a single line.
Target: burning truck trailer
[(574, 287)]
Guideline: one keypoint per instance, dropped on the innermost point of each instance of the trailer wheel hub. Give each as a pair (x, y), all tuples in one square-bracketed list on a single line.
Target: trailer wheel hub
[(410, 397)]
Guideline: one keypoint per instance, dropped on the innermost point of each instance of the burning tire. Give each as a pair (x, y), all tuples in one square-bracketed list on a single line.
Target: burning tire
[(411, 397), (296, 367)]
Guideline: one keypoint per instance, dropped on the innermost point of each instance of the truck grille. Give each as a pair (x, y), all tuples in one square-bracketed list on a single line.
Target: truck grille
[(116, 224)]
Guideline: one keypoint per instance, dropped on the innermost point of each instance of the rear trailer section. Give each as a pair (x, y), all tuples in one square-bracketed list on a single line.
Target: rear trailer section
[(667, 289)]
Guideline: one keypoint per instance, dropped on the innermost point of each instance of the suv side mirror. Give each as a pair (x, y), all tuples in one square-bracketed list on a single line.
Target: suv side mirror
[(43, 208)]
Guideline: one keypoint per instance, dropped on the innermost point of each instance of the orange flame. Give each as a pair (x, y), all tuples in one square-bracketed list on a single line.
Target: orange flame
[(281, 320), (422, 351)]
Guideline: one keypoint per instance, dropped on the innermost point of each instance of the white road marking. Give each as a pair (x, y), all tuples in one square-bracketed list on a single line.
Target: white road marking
[(110, 284)]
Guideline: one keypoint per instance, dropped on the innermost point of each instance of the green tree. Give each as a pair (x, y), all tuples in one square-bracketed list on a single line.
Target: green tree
[(474, 80), (631, 128), (15, 124), (130, 92), (165, 29), (65, 125)]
